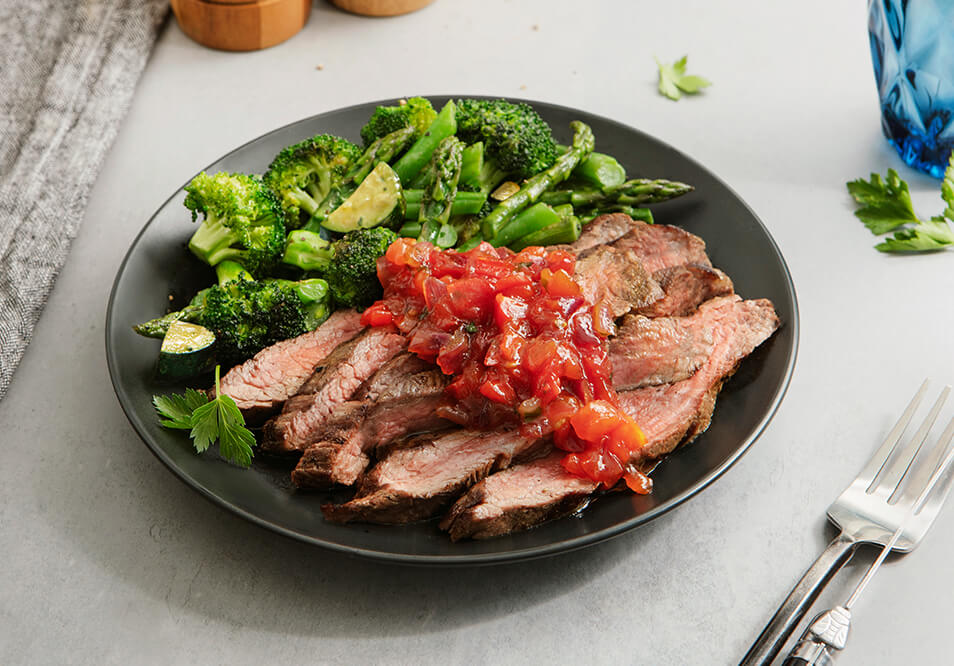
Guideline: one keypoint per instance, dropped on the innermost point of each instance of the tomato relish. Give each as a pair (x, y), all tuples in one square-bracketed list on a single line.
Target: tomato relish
[(521, 341)]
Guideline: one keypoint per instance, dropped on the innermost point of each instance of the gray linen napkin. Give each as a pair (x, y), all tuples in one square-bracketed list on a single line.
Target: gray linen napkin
[(68, 69)]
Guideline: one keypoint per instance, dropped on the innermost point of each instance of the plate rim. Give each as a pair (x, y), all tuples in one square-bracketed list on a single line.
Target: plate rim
[(478, 559)]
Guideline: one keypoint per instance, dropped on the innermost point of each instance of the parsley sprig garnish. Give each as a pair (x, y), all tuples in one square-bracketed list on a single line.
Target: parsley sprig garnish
[(208, 420), (673, 80), (886, 206)]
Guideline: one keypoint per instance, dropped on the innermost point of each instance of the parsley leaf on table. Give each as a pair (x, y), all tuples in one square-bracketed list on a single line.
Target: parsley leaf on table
[(213, 419), (673, 80), (886, 206)]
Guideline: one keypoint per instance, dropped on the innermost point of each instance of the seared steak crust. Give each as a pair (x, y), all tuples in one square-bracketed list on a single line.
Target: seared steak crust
[(264, 382)]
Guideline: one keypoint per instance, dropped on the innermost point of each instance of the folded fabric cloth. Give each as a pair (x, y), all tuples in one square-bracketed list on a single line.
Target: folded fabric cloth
[(69, 71)]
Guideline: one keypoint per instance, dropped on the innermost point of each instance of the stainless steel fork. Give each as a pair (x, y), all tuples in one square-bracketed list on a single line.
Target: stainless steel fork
[(870, 510)]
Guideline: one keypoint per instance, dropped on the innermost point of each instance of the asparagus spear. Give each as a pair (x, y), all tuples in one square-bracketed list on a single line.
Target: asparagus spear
[(631, 193), (535, 186), (438, 200), (565, 230), (643, 214), (465, 203)]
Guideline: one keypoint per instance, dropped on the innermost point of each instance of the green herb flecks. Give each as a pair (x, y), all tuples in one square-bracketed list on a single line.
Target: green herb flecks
[(673, 80)]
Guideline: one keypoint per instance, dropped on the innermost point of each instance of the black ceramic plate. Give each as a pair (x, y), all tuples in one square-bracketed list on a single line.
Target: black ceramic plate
[(158, 265)]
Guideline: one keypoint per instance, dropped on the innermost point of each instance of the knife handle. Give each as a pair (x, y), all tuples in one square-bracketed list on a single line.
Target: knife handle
[(793, 609)]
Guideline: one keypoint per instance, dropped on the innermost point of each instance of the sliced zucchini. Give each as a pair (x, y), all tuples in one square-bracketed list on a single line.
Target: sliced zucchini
[(377, 198), (186, 350)]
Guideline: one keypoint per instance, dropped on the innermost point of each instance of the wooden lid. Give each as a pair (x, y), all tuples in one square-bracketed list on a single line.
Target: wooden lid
[(241, 25), (381, 7)]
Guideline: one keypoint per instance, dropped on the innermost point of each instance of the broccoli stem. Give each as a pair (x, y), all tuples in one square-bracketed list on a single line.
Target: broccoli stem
[(303, 199), (566, 230), (444, 125), (307, 250), (536, 217), (630, 193), (212, 241), (534, 187), (226, 271), (598, 169)]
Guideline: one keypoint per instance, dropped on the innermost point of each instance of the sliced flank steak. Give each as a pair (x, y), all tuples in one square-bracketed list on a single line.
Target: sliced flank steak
[(662, 350), (263, 383), (603, 230), (393, 405), (529, 494), (685, 288), (617, 278), (661, 246), (418, 481), (303, 418)]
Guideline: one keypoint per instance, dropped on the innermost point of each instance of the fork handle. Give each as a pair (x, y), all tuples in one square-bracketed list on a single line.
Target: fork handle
[(803, 595)]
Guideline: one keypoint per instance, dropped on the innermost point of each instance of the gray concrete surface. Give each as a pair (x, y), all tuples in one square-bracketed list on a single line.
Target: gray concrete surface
[(109, 559)]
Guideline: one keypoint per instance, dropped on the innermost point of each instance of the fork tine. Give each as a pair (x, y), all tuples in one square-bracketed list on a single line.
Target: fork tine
[(878, 460), (899, 462), (925, 474)]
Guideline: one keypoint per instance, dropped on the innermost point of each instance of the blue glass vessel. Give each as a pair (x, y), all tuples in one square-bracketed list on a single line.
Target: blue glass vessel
[(912, 48)]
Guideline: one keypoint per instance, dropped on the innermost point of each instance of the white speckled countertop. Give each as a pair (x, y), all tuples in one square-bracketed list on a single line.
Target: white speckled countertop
[(107, 558)]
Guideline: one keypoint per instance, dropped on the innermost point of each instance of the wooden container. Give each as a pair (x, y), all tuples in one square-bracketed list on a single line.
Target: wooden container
[(381, 7), (241, 25)]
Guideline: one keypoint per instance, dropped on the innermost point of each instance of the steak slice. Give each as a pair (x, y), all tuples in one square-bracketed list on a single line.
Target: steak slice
[(686, 287), (602, 230), (263, 383), (616, 277), (529, 494), (417, 481), (663, 350), (302, 419), (394, 404), (660, 246), (518, 498)]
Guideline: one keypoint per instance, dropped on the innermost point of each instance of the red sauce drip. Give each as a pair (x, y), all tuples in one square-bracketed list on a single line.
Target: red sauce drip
[(521, 342)]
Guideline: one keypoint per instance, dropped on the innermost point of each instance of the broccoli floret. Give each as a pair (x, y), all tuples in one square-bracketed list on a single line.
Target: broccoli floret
[(243, 221), (302, 175), (349, 264), (415, 111), (516, 138), (353, 277), (248, 315)]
